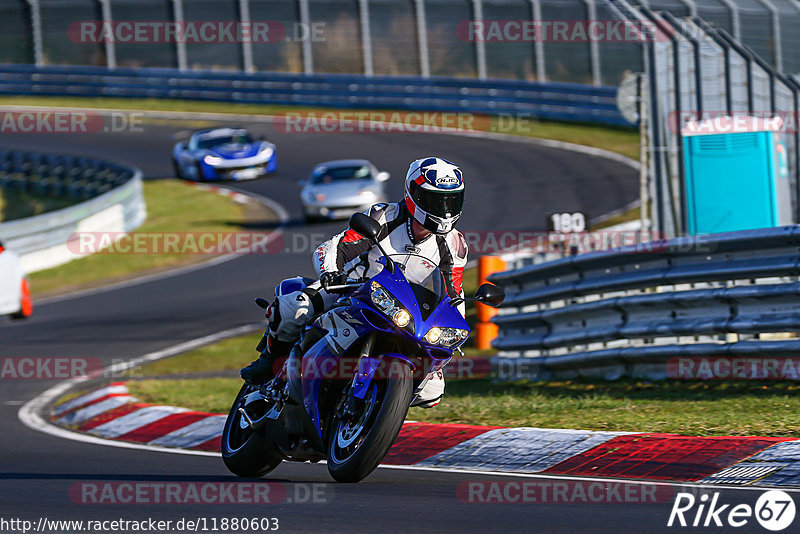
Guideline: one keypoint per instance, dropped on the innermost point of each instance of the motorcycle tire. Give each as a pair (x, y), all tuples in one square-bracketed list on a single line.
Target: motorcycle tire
[(387, 403), (245, 452)]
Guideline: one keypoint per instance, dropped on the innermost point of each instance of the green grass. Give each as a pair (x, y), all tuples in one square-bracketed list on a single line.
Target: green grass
[(688, 408), (624, 141), (232, 353), (17, 204), (172, 206), (211, 395)]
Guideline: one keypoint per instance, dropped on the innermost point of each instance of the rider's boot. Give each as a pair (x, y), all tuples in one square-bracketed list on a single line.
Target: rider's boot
[(264, 368)]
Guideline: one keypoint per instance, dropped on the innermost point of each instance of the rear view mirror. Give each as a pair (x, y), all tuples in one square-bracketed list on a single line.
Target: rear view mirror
[(491, 295), (366, 226), (382, 176)]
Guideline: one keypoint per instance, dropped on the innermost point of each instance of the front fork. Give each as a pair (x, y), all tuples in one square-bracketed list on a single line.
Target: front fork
[(365, 370)]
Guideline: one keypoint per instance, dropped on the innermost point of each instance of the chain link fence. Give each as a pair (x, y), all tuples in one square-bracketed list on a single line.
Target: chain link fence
[(380, 37)]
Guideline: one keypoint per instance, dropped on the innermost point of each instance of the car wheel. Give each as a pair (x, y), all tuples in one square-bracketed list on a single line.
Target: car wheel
[(25, 304), (177, 169), (199, 177)]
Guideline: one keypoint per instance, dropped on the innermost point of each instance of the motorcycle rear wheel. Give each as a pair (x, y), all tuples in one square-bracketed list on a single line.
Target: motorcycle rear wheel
[(355, 448), (245, 452)]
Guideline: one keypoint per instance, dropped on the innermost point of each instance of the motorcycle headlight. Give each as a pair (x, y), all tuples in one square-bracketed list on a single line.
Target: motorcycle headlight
[(212, 160), (446, 337), (391, 307)]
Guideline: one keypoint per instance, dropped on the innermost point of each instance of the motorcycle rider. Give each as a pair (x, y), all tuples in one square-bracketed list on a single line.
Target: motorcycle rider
[(423, 224)]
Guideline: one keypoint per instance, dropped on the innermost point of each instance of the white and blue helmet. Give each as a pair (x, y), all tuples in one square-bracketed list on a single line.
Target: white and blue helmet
[(435, 193)]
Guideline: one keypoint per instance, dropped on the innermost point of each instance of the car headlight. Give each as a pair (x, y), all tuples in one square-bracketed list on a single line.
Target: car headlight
[(391, 307), (267, 152), (212, 160), (446, 337)]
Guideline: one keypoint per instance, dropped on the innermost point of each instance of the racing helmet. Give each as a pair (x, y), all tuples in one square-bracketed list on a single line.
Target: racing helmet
[(435, 193)]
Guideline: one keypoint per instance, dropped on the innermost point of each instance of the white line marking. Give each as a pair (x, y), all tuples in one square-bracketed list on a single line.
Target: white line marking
[(30, 415)]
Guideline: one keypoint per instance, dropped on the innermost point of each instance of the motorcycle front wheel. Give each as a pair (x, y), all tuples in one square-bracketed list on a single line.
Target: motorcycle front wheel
[(244, 451), (358, 445)]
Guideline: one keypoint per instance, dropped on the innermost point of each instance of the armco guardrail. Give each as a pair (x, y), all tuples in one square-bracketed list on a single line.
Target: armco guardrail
[(42, 241), (637, 311), (555, 101)]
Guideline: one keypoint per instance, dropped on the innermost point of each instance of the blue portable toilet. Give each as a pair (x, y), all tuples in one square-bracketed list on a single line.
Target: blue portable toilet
[(736, 174)]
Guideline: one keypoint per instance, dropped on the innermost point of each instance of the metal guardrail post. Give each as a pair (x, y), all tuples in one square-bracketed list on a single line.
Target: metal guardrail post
[(422, 38), (594, 48), (538, 45), (366, 37), (36, 26), (247, 42), (110, 45), (480, 44), (305, 20)]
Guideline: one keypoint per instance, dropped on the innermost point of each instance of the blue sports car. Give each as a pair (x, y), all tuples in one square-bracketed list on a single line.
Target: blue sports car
[(223, 154)]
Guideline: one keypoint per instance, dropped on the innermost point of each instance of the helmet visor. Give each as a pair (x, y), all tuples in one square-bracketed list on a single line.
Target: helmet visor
[(439, 203)]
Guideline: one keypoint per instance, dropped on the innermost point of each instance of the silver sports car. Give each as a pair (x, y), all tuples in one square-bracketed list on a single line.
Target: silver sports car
[(337, 189)]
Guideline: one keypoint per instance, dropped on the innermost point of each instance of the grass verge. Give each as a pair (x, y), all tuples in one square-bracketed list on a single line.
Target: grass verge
[(688, 408), (702, 408), (173, 207), (624, 141)]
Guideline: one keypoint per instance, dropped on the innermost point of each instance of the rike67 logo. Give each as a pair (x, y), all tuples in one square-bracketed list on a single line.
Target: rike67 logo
[(774, 510)]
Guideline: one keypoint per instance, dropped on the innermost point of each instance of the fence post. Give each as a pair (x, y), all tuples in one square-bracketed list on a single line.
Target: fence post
[(594, 48), (538, 45), (422, 39), (366, 36), (305, 20), (480, 44), (36, 26), (776, 33), (735, 26), (180, 41), (247, 42), (110, 45), (692, 7)]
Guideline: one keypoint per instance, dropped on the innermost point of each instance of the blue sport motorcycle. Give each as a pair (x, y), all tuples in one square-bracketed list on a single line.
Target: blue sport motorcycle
[(344, 391)]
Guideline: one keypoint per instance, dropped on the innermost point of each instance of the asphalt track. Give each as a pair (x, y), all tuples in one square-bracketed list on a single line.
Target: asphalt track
[(512, 185)]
